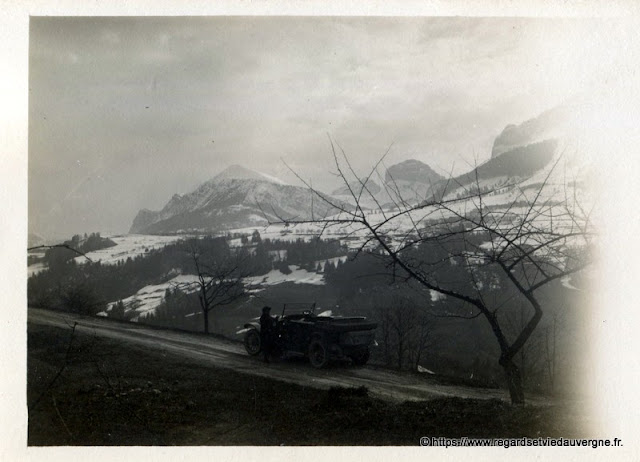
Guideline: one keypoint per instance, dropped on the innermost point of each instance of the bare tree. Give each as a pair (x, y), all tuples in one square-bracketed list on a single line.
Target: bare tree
[(459, 245), (81, 298), (530, 357), (422, 336), (406, 331), (220, 274)]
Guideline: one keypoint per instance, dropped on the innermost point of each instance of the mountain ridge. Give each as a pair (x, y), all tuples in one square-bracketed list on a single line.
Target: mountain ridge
[(237, 197), (240, 197)]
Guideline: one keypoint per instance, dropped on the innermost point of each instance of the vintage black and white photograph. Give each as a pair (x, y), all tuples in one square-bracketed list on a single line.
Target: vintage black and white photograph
[(320, 230)]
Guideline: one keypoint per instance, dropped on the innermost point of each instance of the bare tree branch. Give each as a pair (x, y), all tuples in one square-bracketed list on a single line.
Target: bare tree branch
[(57, 246), (528, 240)]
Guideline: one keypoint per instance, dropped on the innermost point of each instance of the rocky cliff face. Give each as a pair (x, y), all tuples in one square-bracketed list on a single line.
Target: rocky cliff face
[(407, 181), (236, 198), (412, 171), (526, 153), (552, 124)]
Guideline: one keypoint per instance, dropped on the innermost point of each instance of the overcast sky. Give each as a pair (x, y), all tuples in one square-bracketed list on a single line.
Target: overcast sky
[(125, 112)]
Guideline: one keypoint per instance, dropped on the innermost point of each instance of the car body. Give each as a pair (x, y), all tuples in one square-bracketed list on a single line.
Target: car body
[(320, 338)]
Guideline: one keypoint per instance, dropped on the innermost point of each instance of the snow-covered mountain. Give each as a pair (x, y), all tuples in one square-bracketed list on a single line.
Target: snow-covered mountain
[(345, 193), (355, 186), (522, 156), (545, 148), (408, 181), (507, 169), (411, 180), (550, 124), (412, 171), (236, 198)]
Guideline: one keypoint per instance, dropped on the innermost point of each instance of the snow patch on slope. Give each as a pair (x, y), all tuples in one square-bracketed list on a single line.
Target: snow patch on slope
[(297, 276), (130, 245), (148, 299)]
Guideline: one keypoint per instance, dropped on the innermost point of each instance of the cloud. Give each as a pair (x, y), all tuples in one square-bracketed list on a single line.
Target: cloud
[(161, 104)]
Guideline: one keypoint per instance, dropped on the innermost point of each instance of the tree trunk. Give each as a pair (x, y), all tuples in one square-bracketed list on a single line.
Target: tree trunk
[(206, 321), (512, 372), (514, 381)]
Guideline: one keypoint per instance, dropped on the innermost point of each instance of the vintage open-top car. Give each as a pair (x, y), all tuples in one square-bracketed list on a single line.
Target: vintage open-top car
[(299, 331)]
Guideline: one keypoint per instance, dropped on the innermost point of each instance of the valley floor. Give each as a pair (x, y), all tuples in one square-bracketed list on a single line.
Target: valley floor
[(88, 388)]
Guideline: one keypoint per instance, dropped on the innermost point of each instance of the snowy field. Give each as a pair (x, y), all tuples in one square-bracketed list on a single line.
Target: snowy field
[(146, 300), (129, 245), (353, 235), (278, 232), (297, 276)]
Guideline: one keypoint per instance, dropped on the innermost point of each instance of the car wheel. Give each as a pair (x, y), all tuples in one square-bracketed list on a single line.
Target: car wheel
[(318, 354), (361, 358), (252, 342)]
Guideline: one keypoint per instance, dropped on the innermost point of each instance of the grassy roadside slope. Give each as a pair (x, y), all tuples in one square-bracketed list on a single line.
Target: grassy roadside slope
[(120, 394)]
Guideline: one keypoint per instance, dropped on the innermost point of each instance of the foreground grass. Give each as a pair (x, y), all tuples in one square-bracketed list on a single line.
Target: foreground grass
[(112, 393)]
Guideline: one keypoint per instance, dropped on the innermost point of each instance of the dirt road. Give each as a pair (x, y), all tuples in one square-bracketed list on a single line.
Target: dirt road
[(223, 353)]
